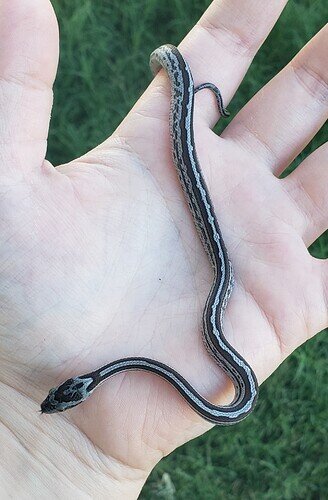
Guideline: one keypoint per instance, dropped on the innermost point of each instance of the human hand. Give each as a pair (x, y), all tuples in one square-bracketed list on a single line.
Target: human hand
[(100, 258)]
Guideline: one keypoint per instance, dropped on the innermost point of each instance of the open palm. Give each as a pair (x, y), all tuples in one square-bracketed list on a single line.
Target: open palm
[(100, 259)]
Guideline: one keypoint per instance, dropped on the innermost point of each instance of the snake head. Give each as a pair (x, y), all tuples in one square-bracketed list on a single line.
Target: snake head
[(69, 394)]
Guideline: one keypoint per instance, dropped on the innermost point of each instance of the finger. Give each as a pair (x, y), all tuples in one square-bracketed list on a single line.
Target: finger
[(317, 310), (307, 188), (325, 287), (219, 49), (284, 116), (221, 46), (28, 62)]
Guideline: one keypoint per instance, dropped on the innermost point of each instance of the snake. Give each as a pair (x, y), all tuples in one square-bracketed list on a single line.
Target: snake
[(75, 390)]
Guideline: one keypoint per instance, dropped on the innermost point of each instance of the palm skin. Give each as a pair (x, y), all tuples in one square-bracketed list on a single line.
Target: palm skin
[(100, 260)]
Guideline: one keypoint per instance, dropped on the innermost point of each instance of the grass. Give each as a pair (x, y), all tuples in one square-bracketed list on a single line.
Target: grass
[(278, 452)]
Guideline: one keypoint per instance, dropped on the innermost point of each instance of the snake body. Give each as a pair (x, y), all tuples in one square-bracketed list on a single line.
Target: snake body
[(75, 390)]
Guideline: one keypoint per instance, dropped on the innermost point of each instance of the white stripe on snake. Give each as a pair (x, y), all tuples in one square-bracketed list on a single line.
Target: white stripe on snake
[(77, 389)]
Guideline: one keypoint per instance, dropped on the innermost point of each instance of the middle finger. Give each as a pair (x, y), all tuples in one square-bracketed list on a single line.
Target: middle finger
[(283, 117)]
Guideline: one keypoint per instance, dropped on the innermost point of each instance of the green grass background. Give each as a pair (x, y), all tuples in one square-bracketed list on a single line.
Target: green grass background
[(281, 451)]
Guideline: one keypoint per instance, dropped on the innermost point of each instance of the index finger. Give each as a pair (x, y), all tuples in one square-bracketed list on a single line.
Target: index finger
[(222, 45)]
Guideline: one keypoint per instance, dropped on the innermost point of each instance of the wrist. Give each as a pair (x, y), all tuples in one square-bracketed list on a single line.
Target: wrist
[(56, 460)]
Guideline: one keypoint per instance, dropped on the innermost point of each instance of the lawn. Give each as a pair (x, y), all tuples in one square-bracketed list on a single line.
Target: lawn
[(279, 451)]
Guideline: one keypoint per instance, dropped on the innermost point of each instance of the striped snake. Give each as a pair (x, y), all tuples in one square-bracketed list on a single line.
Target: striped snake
[(77, 389)]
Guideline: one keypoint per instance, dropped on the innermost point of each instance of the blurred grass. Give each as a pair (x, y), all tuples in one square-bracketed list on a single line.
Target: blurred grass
[(281, 451)]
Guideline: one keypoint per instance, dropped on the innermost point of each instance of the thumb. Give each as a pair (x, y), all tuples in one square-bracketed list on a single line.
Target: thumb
[(28, 63)]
